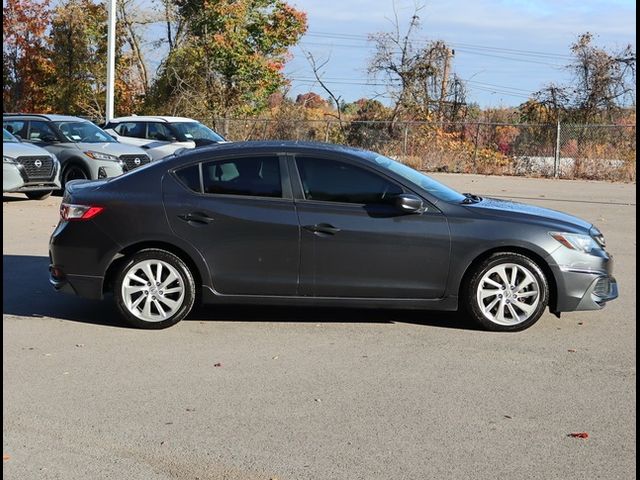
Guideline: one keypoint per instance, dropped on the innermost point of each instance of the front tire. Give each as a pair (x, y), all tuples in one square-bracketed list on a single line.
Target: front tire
[(506, 292), (73, 172), (154, 289), (38, 195)]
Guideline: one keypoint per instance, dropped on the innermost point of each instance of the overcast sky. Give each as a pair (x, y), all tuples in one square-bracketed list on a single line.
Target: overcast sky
[(505, 48)]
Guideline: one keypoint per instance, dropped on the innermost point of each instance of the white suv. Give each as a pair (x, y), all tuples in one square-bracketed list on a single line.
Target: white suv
[(162, 136)]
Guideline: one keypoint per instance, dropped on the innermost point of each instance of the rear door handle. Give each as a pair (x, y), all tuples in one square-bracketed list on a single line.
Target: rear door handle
[(197, 217), (322, 228)]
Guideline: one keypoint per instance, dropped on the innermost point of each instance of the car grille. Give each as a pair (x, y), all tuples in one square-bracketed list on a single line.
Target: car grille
[(37, 168), (134, 161), (602, 288)]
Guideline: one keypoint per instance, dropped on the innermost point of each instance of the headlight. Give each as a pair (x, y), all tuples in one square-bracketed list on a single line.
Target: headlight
[(575, 241), (6, 159), (101, 156)]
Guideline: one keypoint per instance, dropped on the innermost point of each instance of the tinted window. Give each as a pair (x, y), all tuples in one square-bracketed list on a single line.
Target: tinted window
[(334, 181), (254, 176), (41, 132), (190, 177)]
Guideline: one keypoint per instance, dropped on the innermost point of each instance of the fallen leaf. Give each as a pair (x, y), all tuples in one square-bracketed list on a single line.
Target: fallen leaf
[(580, 323), (5, 457), (571, 350), (217, 364), (579, 435)]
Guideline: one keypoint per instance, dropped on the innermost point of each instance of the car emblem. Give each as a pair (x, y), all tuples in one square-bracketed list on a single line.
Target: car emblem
[(136, 161), (38, 163)]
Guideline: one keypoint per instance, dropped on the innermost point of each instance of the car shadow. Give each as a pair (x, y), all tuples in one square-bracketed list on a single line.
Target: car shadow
[(7, 199), (27, 293)]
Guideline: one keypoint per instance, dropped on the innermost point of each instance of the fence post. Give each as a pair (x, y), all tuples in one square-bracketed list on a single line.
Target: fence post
[(475, 149), (556, 159), (406, 138)]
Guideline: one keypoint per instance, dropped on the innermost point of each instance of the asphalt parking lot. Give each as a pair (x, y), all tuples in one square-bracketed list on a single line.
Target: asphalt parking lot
[(290, 393)]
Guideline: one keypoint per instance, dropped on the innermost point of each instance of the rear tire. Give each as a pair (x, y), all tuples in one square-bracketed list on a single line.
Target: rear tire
[(154, 289), (507, 292), (38, 195)]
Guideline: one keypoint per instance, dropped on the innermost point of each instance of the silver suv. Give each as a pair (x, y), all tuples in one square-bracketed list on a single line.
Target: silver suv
[(28, 169), (84, 150)]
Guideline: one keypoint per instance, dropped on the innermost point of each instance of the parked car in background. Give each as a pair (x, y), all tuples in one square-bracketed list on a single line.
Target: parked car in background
[(28, 169), (84, 150), (315, 224), (162, 136)]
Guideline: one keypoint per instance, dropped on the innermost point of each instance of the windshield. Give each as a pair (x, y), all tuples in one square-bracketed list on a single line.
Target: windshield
[(7, 137), (83, 132), (189, 131), (425, 182)]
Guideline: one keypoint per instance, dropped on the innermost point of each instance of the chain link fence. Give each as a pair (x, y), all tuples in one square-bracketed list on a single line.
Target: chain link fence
[(602, 152)]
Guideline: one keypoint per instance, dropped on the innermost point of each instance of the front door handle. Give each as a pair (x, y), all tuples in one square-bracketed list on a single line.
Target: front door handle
[(197, 217), (322, 228)]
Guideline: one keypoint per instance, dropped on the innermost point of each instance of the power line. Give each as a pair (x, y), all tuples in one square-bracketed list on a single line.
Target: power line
[(514, 51)]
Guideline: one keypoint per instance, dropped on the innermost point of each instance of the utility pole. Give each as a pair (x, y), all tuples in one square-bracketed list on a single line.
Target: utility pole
[(111, 58), (448, 53)]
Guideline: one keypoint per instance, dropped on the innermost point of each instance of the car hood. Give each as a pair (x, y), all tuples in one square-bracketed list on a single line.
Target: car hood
[(522, 211), (113, 148), (22, 149)]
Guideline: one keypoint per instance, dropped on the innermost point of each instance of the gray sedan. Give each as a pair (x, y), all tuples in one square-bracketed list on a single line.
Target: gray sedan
[(317, 224)]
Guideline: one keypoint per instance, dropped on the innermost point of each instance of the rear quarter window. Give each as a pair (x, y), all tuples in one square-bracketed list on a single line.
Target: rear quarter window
[(190, 177)]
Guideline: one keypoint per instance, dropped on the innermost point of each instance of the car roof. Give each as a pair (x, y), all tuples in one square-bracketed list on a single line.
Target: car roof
[(281, 146), (52, 117), (151, 118)]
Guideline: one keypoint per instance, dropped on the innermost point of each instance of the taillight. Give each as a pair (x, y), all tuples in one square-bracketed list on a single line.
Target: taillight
[(78, 212)]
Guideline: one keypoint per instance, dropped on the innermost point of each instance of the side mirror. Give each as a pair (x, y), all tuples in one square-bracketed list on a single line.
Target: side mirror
[(409, 203)]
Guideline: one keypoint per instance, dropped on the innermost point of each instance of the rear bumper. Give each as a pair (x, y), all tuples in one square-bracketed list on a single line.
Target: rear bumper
[(82, 285)]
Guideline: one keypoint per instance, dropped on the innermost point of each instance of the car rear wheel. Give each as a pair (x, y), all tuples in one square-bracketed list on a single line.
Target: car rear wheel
[(506, 292), (38, 195), (154, 289)]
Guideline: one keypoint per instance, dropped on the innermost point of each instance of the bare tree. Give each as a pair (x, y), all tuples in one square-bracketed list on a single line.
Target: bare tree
[(604, 80), (318, 75), (416, 72)]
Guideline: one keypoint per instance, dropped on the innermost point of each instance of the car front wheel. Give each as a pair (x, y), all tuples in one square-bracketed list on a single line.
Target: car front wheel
[(154, 289), (506, 292)]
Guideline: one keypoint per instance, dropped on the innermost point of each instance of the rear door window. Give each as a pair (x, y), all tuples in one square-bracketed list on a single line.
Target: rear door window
[(250, 176)]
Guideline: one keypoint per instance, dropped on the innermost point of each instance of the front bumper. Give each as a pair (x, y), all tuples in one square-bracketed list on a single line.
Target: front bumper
[(587, 284), (15, 179)]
